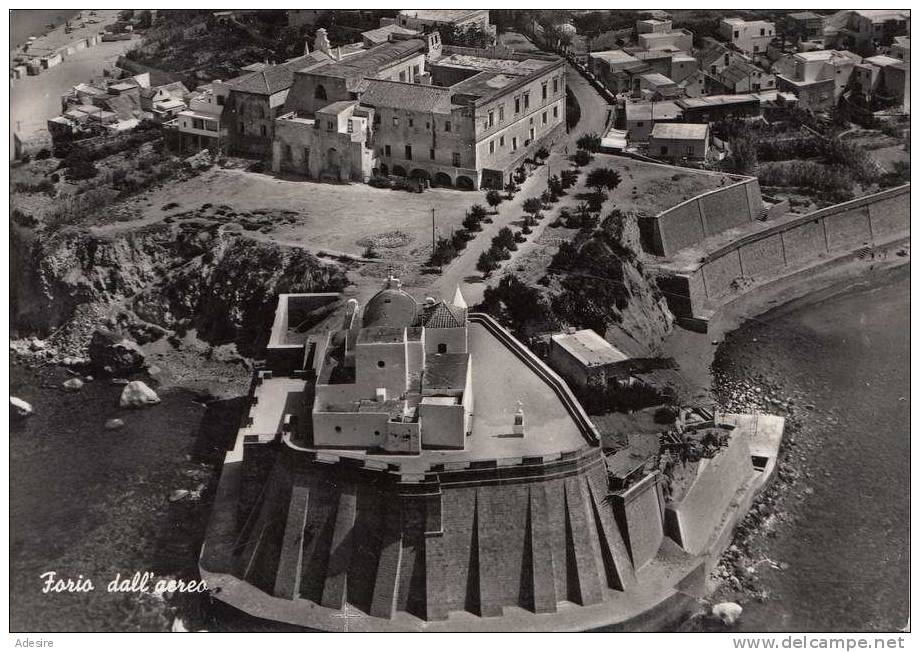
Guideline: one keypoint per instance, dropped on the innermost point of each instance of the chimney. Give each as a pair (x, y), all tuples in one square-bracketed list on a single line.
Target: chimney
[(381, 394), (306, 47)]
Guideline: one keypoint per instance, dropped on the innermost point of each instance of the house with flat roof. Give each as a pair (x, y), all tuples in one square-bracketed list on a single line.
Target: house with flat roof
[(749, 36), (865, 30), (456, 20), (641, 117), (586, 359), (817, 78), (680, 140)]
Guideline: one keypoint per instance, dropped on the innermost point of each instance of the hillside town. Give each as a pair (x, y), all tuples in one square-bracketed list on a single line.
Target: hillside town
[(447, 285)]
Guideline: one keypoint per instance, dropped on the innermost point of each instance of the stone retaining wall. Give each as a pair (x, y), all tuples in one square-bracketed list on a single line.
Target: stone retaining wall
[(785, 248)]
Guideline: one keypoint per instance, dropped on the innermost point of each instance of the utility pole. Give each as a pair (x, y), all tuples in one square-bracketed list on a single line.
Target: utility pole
[(432, 232)]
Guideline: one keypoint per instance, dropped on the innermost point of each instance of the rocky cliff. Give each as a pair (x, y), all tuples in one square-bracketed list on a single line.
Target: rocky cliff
[(213, 280)]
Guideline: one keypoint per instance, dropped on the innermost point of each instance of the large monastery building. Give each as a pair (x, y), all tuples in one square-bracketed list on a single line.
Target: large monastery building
[(412, 107)]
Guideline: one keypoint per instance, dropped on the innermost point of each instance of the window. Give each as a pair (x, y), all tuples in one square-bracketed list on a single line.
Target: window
[(555, 85), (763, 31), (447, 125), (555, 112), (526, 100), (306, 155), (402, 75), (197, 123), (640, 123), (381, 364), (456, 159), (531, 134), (736, 33), (242, 128), (386, 150), (242, 112), (664, 150), (756, 48), (408, 152), (263, 131), (330, 125), (220, 100), (514, 144), (411, 122), (517, 105), (545, 93), (501, 113), (351, 127), (395, 121), (427, 125), (501, 141), (320, 93), (442, 348), (338, 428), (531, 120), (288, 154), (491, 118), (431, 154), (491, 147), (689, 150), (544, 117), (415, 71)]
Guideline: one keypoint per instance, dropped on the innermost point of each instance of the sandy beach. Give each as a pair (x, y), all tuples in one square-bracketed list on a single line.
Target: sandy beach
[(36, 99)]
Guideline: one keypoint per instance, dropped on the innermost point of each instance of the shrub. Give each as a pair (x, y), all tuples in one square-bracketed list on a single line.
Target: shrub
[(603, 178), (590, 142), (547, 198), (471, 223), (22, 219), (568, 178), (505, 239), (554, 185), (486, 263), (43, 154), (444, 252), (533, 206), (542, 154), (493, 199), (460, 239), (520, 175), (519, 236), (478, 211), (380, 182), (582, 157), (596, 201), (370, 252), (511, 188)]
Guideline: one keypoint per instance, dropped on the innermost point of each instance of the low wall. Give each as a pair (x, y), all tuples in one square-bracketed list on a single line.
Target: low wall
[(785, 248), (703, 216), (693, 520)]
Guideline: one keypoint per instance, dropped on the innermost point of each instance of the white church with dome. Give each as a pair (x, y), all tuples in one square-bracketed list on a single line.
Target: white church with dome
[(398, 379)]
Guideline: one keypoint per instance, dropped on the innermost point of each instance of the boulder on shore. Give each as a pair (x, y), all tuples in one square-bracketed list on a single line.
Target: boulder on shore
[(727, 612), (137, 394), (19, 408), (115, 353), (114, 424), (73, 385)]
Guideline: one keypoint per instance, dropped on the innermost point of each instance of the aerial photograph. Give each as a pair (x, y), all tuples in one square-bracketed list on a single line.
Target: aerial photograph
[(460, 320)]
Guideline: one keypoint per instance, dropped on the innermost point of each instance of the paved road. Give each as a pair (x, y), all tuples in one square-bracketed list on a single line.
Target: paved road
[(462, 271)]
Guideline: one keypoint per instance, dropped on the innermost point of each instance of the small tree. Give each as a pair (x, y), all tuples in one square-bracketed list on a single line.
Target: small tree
[(547, 198), (554, 185), (601, 178), (505, 239), (478, 211), (486, 263), (582, 157), (493, 199), (533, 206), (444, 252), (471, 223), (511, 188), (568, 178), (596, 201), (590, 142), (542, 154)]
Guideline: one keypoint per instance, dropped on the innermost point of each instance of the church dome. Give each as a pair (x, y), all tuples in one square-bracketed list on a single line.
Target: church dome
[(391, 308)]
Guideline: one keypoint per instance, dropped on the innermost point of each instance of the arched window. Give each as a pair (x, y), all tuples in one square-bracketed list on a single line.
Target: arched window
[(320, 93)]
